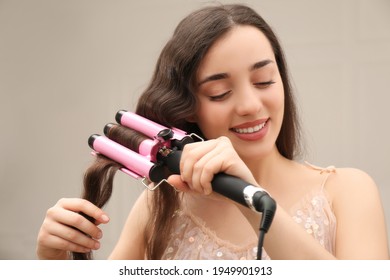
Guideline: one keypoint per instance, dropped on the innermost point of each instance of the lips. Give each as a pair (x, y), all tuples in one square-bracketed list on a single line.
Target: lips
[(251, 131), (251, 127)]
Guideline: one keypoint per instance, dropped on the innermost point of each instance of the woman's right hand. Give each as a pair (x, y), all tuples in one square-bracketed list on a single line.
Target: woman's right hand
[(64, 229)]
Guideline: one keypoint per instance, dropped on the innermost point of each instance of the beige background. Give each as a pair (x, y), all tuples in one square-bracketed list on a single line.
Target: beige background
[(66, 68)]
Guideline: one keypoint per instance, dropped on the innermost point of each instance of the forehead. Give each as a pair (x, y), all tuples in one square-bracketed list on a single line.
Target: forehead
[(242, 46)]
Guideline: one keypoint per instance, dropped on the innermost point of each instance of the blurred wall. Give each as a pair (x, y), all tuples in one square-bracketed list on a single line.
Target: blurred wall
[(66, 68)]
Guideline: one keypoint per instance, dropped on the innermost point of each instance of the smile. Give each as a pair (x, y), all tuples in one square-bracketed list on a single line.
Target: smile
[(252, 129)]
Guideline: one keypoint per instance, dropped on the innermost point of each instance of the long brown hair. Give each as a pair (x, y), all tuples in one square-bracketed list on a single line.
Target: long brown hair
[(170, 98)]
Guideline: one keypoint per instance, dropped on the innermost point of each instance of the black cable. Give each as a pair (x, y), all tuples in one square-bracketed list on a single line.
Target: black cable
[(267, 206), (260, 244)]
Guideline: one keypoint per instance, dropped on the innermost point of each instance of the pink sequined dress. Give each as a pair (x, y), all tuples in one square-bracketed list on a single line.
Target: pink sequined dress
[(191, 239)]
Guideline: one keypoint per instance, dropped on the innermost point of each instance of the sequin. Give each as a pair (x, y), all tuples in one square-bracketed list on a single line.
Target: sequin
[(176, 242), (192, 239), (170, 250)]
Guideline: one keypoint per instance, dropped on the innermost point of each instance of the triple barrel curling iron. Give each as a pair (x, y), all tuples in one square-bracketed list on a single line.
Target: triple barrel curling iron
[(161, 152)]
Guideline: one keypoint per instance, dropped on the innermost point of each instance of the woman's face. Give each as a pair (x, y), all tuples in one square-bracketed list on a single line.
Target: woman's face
[(240, 92)]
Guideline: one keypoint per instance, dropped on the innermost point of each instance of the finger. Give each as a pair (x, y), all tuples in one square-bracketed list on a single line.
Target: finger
[(58, 215), (190, 163), (178, 184), (211, 166), (58, 243), (72, 237), (85, 206), (204, 171)]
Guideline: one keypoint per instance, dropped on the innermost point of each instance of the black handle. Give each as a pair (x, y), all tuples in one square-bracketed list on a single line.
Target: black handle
[(227, 185)]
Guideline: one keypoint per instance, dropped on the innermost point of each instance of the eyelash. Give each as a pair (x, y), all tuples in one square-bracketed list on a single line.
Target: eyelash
[(219, 97), (261, 85), (264, 84)]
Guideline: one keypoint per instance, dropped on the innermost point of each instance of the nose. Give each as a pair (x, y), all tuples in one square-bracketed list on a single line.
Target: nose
[(248, 101)]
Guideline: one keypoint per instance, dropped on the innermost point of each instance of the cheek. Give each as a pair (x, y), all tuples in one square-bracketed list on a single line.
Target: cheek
[(276, 100), (210, 120), (276, 104)]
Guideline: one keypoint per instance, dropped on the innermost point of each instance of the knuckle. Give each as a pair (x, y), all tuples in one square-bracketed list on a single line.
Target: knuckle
[(42, 237), (51, 212), (225, 142), (198, 166), (78, 220), (187, 148), (63, 244), (96, 212), (208, 170), (62, 201), (70, 234), (191, 154)]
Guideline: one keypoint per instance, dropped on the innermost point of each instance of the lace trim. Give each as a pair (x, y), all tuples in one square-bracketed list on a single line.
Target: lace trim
[(191, 239), (213, 235)]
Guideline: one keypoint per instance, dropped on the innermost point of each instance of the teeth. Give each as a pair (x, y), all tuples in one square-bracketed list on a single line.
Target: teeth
[(249, 129)]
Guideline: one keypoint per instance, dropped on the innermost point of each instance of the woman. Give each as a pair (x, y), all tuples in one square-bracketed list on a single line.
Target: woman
[(223, 75)]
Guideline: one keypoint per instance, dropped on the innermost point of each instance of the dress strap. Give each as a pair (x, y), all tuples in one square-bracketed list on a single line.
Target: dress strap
[(328, 170)]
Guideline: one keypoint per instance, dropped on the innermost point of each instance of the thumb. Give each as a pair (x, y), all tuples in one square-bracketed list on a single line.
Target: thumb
[(178, 183)]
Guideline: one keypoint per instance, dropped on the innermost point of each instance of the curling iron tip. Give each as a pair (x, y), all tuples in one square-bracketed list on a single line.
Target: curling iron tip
[(92, 139), (107, 128), (119, 115)]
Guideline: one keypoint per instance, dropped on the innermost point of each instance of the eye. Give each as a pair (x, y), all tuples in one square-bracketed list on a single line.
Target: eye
[(219, 97), (264, 84)]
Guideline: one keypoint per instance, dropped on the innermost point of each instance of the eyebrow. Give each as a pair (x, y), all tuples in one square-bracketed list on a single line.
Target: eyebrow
[(261, 64), (221, 76)]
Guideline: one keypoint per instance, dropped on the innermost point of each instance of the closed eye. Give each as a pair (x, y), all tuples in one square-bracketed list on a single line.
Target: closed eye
[(264, 84), (219, 97)]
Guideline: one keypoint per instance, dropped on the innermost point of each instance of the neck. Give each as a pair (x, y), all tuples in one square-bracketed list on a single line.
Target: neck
[(267, 170)]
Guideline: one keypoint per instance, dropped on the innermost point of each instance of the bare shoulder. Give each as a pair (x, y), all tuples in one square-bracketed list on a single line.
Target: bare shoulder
[(352, 185), (357, 205), (351, 179)]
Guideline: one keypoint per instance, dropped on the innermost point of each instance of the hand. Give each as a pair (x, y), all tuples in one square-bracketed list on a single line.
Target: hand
[(64, 229), (202, 160)]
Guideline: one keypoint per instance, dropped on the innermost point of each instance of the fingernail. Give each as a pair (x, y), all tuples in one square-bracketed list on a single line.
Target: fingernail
[(99, 235), (105, 218)]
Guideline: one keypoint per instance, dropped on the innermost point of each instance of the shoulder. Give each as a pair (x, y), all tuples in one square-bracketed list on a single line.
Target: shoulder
[(351, 186), (348, 179), (357, 205)]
